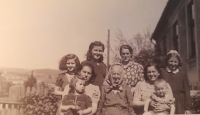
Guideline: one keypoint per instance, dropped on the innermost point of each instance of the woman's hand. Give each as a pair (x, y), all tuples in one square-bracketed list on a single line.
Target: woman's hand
[(77, 107), (188, 112), (80, 112), (153, 104), (161, 107)]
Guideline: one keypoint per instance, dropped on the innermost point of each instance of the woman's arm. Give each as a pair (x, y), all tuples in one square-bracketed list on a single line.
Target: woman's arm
[(86, 111), (146, 105), (57, 91), (137, 101), (67, 107), (172, 110), (94, 108)]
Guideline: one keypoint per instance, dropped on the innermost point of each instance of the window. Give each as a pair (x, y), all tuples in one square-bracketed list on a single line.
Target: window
[(175, 36), (191, 30)]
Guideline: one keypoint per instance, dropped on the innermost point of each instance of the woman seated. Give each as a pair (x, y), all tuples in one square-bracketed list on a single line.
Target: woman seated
[(145, 89)]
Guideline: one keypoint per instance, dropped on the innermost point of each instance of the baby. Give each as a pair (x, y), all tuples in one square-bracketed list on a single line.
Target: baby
[(160, 96), (116, 98), (76, 102)]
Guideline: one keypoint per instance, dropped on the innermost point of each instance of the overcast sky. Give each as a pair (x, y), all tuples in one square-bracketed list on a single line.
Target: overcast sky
[(35, 34)]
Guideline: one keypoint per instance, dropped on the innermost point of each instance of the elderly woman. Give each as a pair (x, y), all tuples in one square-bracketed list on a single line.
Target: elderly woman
[(133, 72), (116, 98), (145, 89)]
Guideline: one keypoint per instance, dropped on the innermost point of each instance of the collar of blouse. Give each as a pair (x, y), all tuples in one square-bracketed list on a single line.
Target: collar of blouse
[(127, 65), (175, 71)]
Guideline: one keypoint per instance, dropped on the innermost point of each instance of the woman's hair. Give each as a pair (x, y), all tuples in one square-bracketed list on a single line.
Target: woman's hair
[(169, 55), (93, 76), (108, 76), (126, 47), (72, 83), (89, 53), (149, 65), (64, 59)]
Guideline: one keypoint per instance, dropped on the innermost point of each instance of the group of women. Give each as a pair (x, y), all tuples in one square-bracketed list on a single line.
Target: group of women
[(140, 79)]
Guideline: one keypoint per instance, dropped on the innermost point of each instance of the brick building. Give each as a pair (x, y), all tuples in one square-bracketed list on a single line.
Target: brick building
[(179, 29)]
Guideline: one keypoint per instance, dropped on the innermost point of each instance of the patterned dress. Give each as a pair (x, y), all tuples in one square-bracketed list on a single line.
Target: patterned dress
[(133, 73)]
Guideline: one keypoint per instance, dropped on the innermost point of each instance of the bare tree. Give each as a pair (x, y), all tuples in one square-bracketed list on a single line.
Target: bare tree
[(138, 43)]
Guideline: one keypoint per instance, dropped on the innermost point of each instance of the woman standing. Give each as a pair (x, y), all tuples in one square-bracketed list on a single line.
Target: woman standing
[(95, 57), (178, 82)]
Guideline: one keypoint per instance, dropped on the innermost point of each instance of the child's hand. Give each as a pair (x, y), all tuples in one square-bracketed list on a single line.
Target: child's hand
[(80, 112), (73, 107), (77, 108)]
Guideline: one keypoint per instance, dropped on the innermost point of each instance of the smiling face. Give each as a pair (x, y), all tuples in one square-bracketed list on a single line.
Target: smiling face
[(86, 73), (97, 52), (71, 64), (80, 86), (116, 74), (152, 73), (126, 55), (160, 89), (173, 63)]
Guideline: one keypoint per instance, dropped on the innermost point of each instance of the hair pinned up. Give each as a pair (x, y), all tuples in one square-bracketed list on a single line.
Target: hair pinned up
[(173, 52)]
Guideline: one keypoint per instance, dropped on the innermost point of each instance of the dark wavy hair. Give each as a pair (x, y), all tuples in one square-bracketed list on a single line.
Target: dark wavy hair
[(126, 47), (89, 53), (149, 65), (93, 76), (63, 61), (169, 56)]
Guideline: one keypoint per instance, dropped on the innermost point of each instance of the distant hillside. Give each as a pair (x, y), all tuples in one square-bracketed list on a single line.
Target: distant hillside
[(24, 73)]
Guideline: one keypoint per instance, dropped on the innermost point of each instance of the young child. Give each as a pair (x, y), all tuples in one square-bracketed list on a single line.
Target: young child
[(68, 65), (116, 98), (160, 96), (76, 102), (95, 57)]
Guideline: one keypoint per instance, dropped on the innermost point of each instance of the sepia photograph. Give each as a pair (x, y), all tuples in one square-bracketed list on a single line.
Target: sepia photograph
[(99, 57)]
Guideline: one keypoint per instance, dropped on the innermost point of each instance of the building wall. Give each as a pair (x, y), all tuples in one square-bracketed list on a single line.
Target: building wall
[(180, 15)]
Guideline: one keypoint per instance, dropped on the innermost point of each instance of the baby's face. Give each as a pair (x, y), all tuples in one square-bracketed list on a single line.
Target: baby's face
[(116, 74), (160, 89)]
